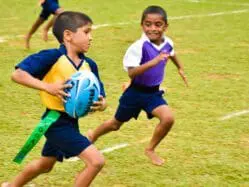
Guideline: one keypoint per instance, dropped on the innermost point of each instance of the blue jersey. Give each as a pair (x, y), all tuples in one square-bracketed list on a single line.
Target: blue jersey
[(54, 65)]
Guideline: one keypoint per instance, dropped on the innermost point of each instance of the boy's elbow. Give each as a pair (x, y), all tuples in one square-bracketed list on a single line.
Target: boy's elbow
[(15, 76), (131, 74)]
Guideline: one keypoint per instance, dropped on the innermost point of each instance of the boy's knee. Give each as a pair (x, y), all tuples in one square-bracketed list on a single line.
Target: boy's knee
[(44, 167), (168, 120), (98, 163), (115, 127), (114, 124)]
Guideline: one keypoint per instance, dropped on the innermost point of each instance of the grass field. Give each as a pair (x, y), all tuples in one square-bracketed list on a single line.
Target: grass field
[(202, 149)]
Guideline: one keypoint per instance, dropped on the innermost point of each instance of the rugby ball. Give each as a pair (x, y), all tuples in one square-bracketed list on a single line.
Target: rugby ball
[(84, 91)]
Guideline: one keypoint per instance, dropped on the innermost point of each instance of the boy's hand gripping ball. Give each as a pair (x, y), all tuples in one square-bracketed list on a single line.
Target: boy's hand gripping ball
[(84, 91)]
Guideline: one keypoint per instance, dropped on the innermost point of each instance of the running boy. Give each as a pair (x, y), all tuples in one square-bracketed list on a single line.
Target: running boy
[(145, 61), (47, 71), (48, 7)]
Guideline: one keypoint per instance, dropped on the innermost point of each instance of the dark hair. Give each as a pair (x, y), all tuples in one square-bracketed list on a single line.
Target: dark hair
[(69, 20), (153, 9)]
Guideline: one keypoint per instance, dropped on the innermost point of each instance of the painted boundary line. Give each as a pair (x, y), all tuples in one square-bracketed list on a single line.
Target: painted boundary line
[(179, 17), (115, 147), (218, 3), (106, 150), (110, 149), (234, 114), (210, 14), (5, 38), (8, 19)]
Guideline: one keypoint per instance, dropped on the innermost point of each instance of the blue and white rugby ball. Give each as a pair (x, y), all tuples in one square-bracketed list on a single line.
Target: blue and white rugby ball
[(84, 91)]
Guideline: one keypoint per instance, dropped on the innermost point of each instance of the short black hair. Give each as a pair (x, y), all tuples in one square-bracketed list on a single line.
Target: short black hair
[(154, 9), (69, 20)]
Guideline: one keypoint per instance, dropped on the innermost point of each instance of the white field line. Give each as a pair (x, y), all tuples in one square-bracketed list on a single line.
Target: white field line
[(72, 159), (180, 17), (110, 149), (2, 40), (115, 147), (218, 3), (5, 38), (115, 24), (209, 15), (193, 1), (8, 19), (106, 150), (234, 114)]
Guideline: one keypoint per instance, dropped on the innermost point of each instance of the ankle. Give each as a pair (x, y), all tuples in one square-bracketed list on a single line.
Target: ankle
[(149, 150)]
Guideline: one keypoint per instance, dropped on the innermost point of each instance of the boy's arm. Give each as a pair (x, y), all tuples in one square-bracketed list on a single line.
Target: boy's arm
[(180, 68), (134, 71), (24, 78), (40, 2)]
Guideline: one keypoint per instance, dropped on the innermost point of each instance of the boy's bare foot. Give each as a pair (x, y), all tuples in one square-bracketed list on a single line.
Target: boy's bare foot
[(27, 39), (156, 160), (45, 35), (5, 184)]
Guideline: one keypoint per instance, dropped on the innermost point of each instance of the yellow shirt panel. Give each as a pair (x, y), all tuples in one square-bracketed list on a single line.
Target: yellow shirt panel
[(62, 70)]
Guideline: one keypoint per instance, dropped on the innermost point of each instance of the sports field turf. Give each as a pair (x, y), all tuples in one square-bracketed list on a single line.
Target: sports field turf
[(209, 143)]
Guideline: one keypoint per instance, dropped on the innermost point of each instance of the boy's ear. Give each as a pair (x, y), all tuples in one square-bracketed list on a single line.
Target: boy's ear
[(166, 26), (67, 35)]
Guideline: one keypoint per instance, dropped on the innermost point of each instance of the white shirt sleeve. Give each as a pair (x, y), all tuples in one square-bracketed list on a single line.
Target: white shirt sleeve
[(172, 53), (133, 55)]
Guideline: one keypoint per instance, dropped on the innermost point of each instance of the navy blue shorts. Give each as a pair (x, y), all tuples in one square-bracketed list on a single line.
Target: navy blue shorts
[(49, 7), (64, 138), (134, 100)]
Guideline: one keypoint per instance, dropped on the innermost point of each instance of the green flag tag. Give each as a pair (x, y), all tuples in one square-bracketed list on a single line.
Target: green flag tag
[(36, 135)]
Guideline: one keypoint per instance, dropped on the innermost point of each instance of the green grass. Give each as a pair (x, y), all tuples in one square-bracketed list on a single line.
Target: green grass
[(200, 150)]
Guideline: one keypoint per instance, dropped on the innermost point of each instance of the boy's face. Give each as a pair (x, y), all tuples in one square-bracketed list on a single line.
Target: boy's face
[(81, 39), (154, 26)]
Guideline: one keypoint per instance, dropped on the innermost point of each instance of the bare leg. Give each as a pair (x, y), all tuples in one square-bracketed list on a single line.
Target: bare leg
[(166, 121), (32, 170), (94, 161), (34, 28), (50, 24), (46, 29), (106, 127)]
